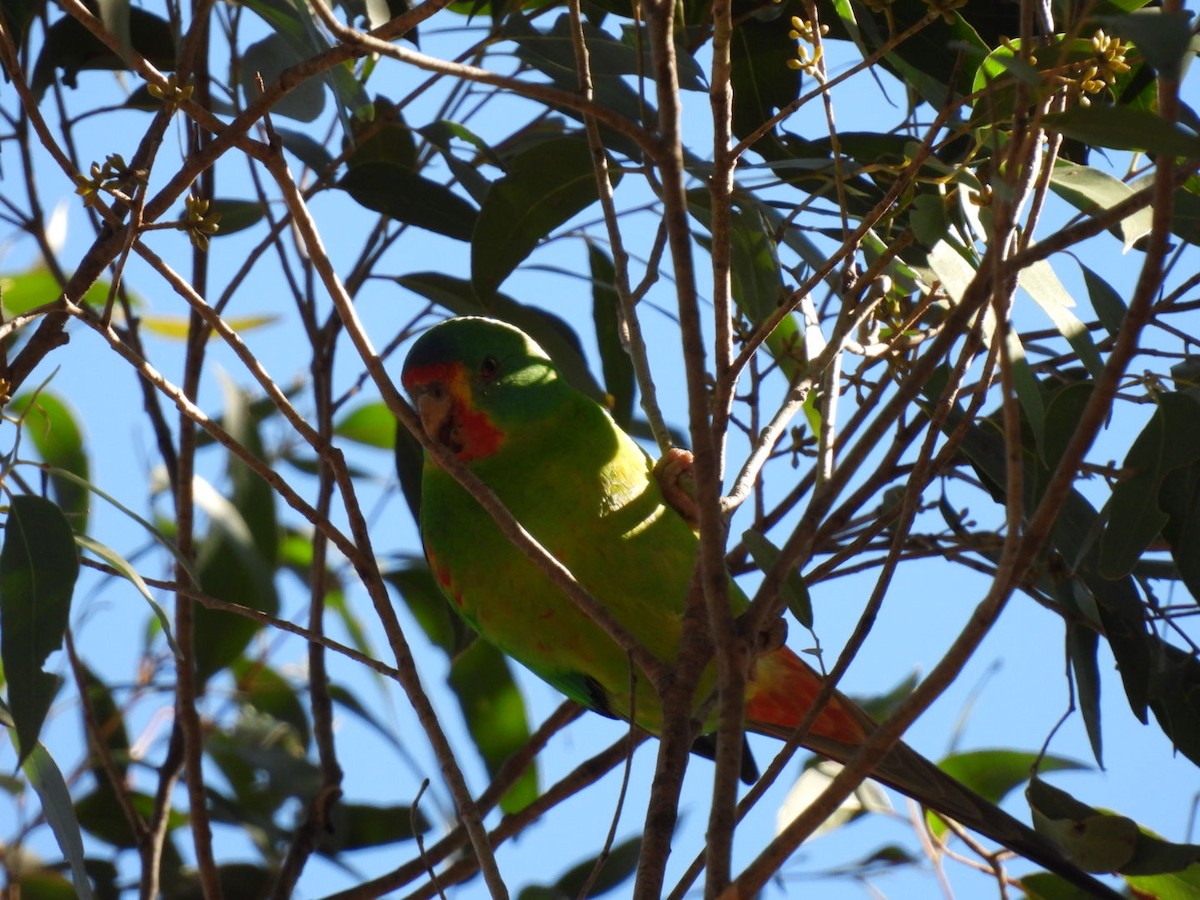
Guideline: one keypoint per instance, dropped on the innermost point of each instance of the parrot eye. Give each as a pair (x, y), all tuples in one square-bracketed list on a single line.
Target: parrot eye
[(489, 368)]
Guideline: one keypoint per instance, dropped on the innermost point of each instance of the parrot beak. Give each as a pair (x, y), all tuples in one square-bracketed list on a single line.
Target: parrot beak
[(435, 406)]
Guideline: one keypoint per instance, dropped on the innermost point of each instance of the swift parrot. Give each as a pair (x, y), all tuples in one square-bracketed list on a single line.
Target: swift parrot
[(589, 494)]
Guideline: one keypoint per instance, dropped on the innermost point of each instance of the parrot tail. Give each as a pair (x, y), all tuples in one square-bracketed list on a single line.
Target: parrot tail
[(783, 690)]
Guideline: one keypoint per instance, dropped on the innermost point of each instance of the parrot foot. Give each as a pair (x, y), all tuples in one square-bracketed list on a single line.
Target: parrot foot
[(674, 474)]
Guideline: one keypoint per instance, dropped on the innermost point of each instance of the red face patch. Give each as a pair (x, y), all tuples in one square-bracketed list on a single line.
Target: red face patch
[(466, 431)]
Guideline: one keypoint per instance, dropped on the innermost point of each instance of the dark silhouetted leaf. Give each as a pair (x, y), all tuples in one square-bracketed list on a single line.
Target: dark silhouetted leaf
[(1175, 699), (356, 826), (71, 47), (236, 559), (410, 198), (762, 82), (236, 215), (1122, 128), (545, 186), (614, 361), (794, 590), (38, 568)]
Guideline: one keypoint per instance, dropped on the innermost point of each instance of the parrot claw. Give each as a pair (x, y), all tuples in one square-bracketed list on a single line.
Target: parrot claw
[(674, 475)]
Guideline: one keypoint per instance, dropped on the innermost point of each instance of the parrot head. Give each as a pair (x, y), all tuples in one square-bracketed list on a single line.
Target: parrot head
[(476, 382)]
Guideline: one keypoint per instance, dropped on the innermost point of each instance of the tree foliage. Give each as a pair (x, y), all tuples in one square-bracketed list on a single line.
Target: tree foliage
[(890, 268)]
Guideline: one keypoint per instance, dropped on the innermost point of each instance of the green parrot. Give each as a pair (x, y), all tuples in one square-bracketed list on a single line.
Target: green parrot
[(589, 494)]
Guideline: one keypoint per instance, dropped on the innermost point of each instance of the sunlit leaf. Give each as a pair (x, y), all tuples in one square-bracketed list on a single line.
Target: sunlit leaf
[(495, 714), (51, 424), (545, 186)]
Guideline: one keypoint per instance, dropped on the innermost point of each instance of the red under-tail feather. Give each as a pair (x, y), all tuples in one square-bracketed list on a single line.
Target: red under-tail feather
[(784, 689)]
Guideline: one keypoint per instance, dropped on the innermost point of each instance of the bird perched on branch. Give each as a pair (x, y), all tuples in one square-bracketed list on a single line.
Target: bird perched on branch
[(588, 493)]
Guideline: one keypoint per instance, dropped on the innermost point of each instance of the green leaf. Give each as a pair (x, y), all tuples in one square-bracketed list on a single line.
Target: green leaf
[(357, 826), (25, 291), (1179, 498), (125, 568), (606, 314), (236, 559), (386, 138), (793, 588), (52, 426), (235, 215), (546, 185), (71, 47), (1094, 841), (1124, 128), (43, 773), (309, 151), (1040, 282), (495, 715), (1175, 699), (1162, 38), (1092, 191), (269, 58), (269, 692), (994, 773), (38, 568), (1110, 308), (371, 424), (100, 815), (109, 723), (615, 869), (1082, 644), (1170, 440), (410, 198), (762, 82)]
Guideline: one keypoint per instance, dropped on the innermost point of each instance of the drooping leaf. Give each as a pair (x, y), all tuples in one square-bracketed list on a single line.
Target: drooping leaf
[(1040, 282), (495, 714), (71, 47), (1110, 308), (410, 198), (38, 568), (386, 138), (1123, 128), (43, 773), (614, 361), (357, 826), (52, 426), (269, 57), (1162, 38), (762, 81), (235, 215), (793, 588), (546, 186), (1170, 441), (125, 568), (236, 559), (1175, 699), (1092, 191), (617, 867)]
